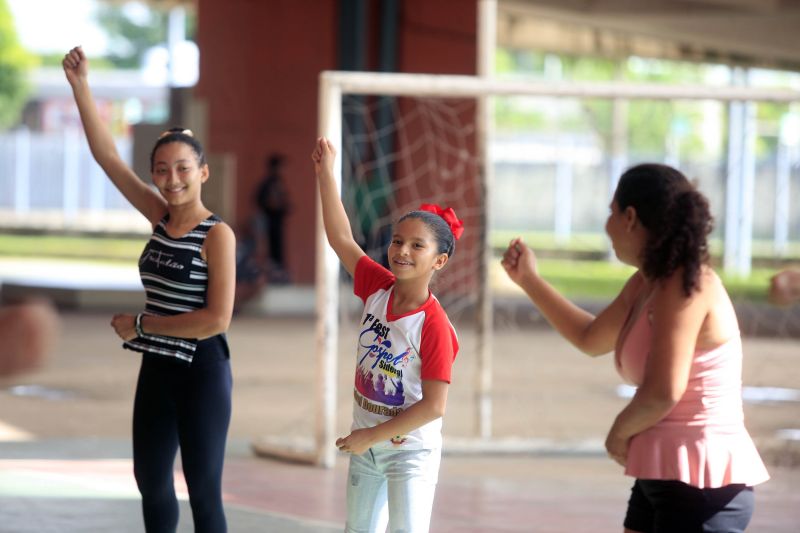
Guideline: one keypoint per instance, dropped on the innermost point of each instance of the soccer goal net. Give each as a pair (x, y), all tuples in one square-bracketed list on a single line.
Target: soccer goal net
[(406, 139)]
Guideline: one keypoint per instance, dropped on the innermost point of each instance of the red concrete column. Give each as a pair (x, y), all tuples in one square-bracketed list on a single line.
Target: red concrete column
[(259, 66)]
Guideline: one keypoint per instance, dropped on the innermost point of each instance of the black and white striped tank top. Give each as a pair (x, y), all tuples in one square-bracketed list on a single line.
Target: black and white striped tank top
[(175, 279)]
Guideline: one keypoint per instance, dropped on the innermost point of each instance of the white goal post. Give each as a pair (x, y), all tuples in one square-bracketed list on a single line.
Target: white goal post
[(333, 86)]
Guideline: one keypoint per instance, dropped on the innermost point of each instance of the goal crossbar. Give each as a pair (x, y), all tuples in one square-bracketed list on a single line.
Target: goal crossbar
[(398, 84)]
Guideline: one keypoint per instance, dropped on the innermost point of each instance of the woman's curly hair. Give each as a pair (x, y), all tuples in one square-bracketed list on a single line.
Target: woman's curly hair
[(677, 219)]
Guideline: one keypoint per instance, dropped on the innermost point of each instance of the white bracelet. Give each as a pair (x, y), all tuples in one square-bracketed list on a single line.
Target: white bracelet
[(137, 325)]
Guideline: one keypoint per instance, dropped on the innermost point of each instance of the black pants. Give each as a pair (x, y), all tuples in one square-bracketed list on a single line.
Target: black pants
[(178, 404), (275, 228), (659, 506)]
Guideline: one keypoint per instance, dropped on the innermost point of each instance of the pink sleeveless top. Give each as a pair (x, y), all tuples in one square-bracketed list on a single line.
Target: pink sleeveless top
[(702, 441)]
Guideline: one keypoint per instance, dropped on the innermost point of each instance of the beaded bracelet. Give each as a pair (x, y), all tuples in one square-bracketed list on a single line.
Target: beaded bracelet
[(137, 325)]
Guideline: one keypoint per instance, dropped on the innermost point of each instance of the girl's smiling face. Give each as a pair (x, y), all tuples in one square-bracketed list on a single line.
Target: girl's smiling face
[(413, 251), (177, 173)]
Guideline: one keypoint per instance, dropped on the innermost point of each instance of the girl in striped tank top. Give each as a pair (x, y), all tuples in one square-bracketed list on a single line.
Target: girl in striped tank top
[(183, 394)]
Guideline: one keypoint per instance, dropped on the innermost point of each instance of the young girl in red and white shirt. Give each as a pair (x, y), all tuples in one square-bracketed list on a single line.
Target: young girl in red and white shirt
[(405, 351)]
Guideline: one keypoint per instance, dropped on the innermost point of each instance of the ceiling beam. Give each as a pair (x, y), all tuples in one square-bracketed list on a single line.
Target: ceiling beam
[(656, 7), (754, 6), (714, 35)]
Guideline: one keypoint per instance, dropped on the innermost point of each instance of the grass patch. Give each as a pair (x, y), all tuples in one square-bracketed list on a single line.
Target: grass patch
[(603, 280), (578, 242), (72, 247), (753, 288), (595, 278), (585, 279)]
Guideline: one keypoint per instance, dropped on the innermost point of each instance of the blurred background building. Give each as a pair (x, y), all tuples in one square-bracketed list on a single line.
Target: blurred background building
[(244, 76)]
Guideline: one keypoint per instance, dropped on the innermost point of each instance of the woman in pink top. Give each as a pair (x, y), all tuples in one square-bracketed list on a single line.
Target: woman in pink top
[(675, 335)]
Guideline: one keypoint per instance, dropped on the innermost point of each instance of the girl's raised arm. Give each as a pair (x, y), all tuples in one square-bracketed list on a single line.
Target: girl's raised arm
[(334, 217), (142, 197), (593, 335)]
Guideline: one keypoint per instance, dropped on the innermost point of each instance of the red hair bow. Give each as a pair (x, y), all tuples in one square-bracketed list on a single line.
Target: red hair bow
[(449, 216)]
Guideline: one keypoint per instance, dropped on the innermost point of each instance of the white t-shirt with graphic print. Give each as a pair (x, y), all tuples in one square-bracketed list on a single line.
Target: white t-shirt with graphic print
[(395, 353)]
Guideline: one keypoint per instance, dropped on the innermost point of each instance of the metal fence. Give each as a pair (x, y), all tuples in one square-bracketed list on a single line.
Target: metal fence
[(50, 181)]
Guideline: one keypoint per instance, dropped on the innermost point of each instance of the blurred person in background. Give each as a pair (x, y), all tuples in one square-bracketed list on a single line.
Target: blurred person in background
[(784, 288), (273, 202)]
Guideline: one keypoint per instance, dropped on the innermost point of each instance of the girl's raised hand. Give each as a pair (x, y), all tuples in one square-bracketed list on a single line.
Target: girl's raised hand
[(324, 155), (75, 64), (519, 261)]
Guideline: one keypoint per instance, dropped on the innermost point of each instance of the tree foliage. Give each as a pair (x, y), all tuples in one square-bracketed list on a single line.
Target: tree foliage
[(131, 36), (134, 28), (649, 123), (14, 63)]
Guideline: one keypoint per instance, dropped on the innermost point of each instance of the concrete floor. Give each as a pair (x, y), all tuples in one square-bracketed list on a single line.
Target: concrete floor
[(65, 458)]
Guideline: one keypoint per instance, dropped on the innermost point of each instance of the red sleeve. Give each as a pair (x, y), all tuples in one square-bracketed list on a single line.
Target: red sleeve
[(370, 277), (439, 346)]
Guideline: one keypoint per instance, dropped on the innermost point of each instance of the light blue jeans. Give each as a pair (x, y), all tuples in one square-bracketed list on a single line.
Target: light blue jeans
[(394, 486)]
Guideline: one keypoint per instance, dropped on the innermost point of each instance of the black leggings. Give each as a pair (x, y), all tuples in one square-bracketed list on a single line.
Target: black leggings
[(661, 506), (187, 405)]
